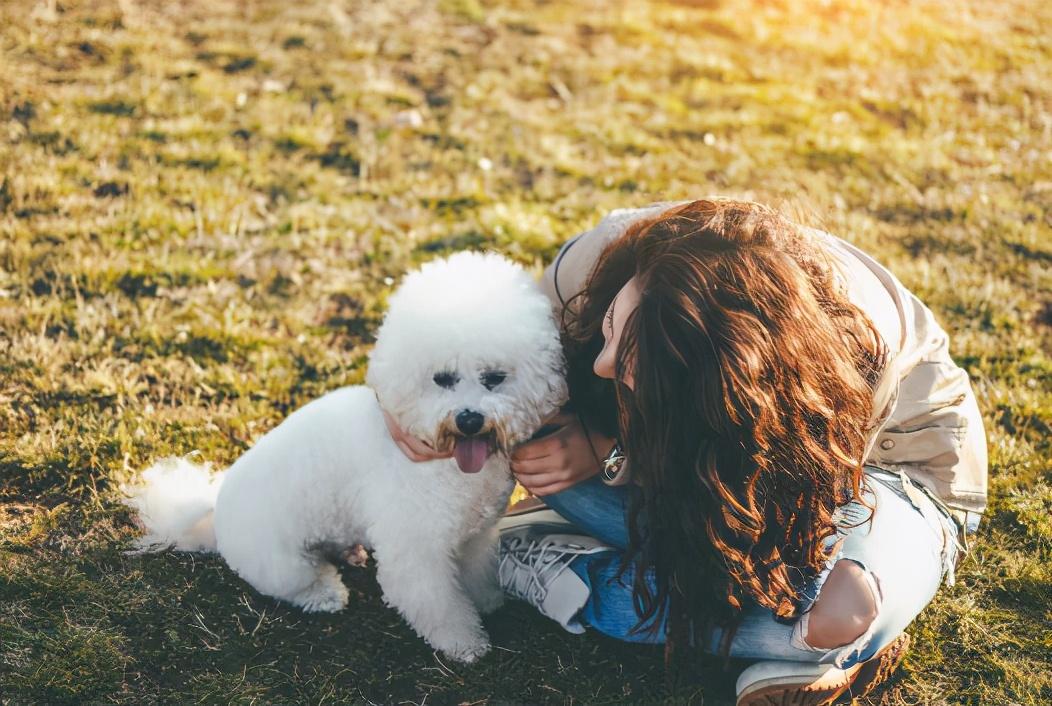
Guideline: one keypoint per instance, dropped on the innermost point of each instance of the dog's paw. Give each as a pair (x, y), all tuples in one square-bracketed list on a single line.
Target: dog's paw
[(464, 644), (324, 596), (468, 653)]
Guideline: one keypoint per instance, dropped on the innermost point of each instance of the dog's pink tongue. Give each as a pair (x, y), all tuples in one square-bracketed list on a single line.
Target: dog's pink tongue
[(471, 453)]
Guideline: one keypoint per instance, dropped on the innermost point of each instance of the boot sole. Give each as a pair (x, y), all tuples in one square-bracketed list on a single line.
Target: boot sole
[(823, 691), (878, 670), (784, 691)]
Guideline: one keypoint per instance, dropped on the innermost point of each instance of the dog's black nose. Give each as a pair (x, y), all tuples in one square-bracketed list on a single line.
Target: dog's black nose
[(469, 422)]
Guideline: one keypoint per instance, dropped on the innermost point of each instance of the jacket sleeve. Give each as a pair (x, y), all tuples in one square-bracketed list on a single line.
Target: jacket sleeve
[(568, 273), (927, 422)]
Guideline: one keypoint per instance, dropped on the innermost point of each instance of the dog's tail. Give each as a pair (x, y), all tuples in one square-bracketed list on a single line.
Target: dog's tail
[(174, 501)]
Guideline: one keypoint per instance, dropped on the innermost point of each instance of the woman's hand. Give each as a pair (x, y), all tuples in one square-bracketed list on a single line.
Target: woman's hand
[(414, 449), (561, 459)]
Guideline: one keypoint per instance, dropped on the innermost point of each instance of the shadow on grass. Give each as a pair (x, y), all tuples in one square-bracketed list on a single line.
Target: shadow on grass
[(184, 627)]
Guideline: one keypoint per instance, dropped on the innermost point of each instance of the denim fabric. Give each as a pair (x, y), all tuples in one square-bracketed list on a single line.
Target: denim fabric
[(903, 549)]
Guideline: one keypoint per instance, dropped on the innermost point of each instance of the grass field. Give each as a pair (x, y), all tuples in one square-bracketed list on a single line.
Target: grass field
[(204, 203)]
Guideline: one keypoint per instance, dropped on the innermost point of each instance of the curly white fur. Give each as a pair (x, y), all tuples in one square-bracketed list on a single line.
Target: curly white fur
[(330, 477)]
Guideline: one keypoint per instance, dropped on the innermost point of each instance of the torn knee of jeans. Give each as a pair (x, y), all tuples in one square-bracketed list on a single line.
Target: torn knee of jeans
[(844, 611)]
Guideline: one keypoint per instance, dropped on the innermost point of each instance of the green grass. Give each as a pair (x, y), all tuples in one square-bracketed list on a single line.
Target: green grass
[(203, 205)]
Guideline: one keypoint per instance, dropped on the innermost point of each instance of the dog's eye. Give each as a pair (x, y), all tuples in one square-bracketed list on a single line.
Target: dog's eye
[(493, 378), (446, 380)]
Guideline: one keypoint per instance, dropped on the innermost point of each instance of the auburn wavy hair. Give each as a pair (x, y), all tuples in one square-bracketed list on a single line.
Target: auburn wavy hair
[(750, 408)]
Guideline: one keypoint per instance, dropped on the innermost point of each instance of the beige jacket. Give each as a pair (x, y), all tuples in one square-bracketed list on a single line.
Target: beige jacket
[(927, 422)]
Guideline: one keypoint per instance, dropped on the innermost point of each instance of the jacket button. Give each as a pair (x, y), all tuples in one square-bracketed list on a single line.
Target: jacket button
[(887, 444)]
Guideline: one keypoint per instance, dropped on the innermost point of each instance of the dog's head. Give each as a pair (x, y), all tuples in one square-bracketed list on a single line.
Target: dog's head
[(468, 357)]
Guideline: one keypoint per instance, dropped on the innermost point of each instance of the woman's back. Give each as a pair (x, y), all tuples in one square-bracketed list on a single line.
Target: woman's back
[(926, 421)]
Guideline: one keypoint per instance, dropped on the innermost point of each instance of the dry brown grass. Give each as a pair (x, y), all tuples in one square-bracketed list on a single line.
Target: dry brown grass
[(202, 205)]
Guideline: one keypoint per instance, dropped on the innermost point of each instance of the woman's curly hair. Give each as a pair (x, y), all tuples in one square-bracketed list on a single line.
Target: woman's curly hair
[(751, 404)]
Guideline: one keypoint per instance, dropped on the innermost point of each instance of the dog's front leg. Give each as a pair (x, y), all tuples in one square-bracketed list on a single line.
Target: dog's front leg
[(421, 581), (478, 567)]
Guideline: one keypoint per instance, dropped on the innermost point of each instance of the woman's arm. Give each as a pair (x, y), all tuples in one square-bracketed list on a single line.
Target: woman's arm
[(568, 273), (561, 459)]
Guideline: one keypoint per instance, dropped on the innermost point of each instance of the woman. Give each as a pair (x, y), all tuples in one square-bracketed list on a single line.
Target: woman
[(771, 454)]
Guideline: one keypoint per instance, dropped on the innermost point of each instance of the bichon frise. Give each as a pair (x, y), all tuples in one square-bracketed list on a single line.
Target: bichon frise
[(467, 359)]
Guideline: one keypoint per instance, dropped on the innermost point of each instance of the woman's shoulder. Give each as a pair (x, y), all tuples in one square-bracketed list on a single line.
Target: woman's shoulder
[(869, 285), (567, 274), (621, 218)]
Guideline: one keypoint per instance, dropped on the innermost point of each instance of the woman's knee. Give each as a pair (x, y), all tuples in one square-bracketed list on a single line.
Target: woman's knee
[(611, 607), (845, 609), (596, 509)]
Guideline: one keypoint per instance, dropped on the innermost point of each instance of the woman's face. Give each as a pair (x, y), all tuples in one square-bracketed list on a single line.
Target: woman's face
[(621, 307)]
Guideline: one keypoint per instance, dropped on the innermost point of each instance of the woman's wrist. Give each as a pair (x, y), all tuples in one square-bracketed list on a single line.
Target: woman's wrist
[(614, 463)]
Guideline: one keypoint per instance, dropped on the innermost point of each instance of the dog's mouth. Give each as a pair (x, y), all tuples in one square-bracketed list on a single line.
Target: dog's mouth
[(471, 452)]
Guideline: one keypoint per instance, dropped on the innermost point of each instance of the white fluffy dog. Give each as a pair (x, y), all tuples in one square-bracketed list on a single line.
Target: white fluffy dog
[(468, 359)]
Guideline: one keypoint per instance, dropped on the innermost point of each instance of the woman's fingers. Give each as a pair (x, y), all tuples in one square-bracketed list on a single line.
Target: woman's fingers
[(551, 489), (423, 449), (409, 452), (416, 450), (533, 466), (532, 450), (541, 480), (525, 471), (541, 476)]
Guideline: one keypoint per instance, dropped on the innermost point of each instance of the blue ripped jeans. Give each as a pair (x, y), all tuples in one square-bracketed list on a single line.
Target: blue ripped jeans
[(906, 550)]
